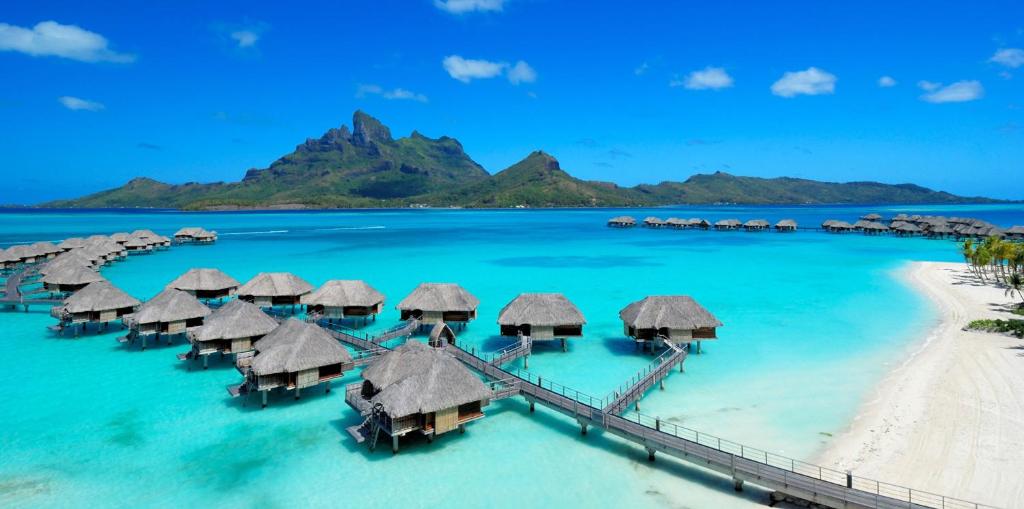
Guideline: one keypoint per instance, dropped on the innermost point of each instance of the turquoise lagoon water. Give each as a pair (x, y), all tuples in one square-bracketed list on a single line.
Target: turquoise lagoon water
[(811, 322)]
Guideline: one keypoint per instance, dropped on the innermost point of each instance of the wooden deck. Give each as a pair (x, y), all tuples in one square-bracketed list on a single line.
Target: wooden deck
[(13, 295)]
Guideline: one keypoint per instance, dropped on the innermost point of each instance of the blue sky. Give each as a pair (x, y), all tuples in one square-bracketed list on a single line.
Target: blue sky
[(630, 92)]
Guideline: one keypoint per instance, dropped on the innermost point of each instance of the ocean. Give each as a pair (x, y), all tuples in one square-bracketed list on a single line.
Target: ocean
[(811, 322)]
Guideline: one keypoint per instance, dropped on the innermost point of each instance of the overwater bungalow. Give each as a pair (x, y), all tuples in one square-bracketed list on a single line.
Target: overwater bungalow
[(860, 224), (295, 355), (542, 317), (675, 222), (1015, 233), (676, 318), (696, 222), (269, 289), (24, 253), (230, 329), (431, 303), (71, 243), (69, 278), (170, 313), (653, 222), (871, 217), (340, 299), (906, 229), (138, 245), (838, 226), (874, 228), (206, 284), (205, 237), (7, 262), (416, 389), (120, 237), (71, 258), (785, 225), (98, 303), (187, 234), (756, 225), (622, 222), (727, 224), (939, 231), (46, 250)]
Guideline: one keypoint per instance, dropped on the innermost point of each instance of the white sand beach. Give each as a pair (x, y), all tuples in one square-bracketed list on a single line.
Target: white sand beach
[(950, 417)]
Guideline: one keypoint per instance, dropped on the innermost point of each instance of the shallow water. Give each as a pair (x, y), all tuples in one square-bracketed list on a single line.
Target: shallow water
[(811, 322)]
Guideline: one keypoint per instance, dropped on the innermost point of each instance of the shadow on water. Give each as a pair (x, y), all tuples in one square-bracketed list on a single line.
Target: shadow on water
[(125, 429), (279, 397), (215, 363)]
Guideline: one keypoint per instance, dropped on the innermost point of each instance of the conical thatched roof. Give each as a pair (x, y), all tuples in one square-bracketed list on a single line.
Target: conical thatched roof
[(295, 346), (98, 296), (875, 226), (653, 220), (543, 309), (906, 227), (188, 231), (46, 248), (72, 243), (675, 221), (170, 305), (757, 223), (6, 258), (871, 217), (342, 293), (673, 311), (439, 297), (623, 220), (415, 378), (275, 284), (206, 234), (862, 223), (72, 274), (941, 229), (96, 238), (727, 222), (120, 237), (1016, 230), (842, 225), (136, 242), (209, 280), (147, 234), (72, 258), (22, 251), (236, 319), (786, 223)]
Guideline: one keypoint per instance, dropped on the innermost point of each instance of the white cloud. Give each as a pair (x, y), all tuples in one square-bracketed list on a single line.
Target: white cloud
[(245, 38), (1010, 57), (50, 38), (709, 78), (521, 73), (961, 91), (395, 93), (78, 104), (464, 6), (641, 69), (886, 82), (466, 70), (812, 81)]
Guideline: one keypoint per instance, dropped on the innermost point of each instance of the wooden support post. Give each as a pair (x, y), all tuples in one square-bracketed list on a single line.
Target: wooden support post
[(531, 406), (583, 428), (206, 360), (564, 349), (297, 392), (650, 454), (657, 423), (143, 342), (637, 405), (661, 384), (328, 389), (462, 428), (526, 362), (264, 394), (698, 348), (849, 479), (394, 444), (737, 484)]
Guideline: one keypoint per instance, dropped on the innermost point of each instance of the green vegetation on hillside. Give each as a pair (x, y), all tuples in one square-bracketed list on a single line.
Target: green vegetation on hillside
[(366, 168)]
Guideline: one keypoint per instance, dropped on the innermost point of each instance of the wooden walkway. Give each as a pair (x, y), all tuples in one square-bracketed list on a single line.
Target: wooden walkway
[(517, 350), (13, 295), (785, 476), (632, 390)]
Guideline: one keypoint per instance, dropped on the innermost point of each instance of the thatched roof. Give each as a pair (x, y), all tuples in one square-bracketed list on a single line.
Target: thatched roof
[(941, 229), (204, 234), (73, 258), (862, 223), (440, 330), (623, 220), (137, 242), (871, 217), (543, 309), (188, 231), (841, 225), (46, 248), (71, 274), (295, 346), (119, 237), (439, 297), (673, 311), (675, 221), (416, 378), (72, 243), (696, 221), (204, 280), (727, 222), (786, 223), (906, 227), (653, 220), (6, 258), (98, 296), (170, 305), (275, 284), (22, 251), (756, 223), (1015, 230), (149, 234), (342, 293), (875, 226), (236, 319)]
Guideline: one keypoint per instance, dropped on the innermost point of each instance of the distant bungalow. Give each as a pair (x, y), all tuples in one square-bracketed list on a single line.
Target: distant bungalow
[(120, 237), (138, 245), (1016, 232), (622, 222), (431, 303), (835, 226), (653, 222), (230, 329), (339, 299), (696, 222), (206, 284), (269, 289), (727, 224), (170, 313), (99, 303), (785, 225), (416, 388), (542, 317), (675, 222), (756, 225), (46, 250), (194, 234), (677, 319), (906, 229), (296, 355), (871, 217), (71, 243), (23, 253), (69, 278), (7, 262)]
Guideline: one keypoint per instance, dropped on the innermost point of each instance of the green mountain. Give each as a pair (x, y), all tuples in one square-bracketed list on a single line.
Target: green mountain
[(366, 167)]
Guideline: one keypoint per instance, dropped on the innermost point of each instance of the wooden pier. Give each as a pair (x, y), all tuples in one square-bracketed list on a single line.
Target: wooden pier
[(13, 296)]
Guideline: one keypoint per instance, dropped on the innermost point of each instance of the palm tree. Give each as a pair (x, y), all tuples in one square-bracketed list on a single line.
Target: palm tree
[(1015, 284)]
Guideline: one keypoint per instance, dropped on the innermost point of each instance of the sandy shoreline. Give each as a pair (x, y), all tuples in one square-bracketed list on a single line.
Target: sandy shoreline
[(950, 418)]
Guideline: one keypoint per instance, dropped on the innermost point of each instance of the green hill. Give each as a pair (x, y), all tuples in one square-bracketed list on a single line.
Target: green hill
[(366, 167)]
